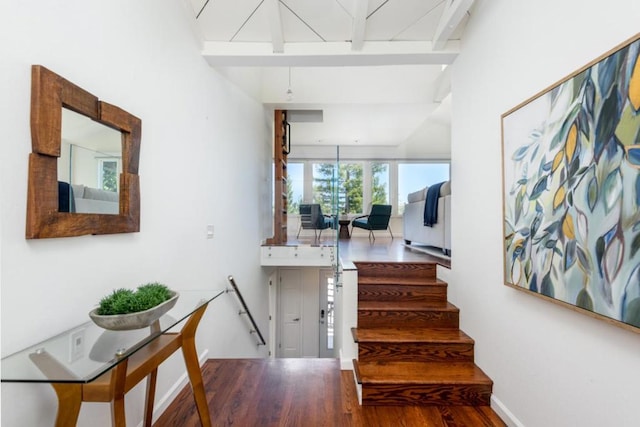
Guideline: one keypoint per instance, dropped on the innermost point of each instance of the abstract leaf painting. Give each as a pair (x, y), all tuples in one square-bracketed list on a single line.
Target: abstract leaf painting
[(571, 189)]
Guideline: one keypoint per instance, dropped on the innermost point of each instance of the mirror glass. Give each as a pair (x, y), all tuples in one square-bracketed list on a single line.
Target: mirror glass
[(89, 166)]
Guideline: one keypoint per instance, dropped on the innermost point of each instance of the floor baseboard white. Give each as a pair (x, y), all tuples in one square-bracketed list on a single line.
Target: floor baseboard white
[(504, 413), (166, 400), (346, 364), (429, 250)]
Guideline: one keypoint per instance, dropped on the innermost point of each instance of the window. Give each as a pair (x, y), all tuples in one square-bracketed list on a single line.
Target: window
[(108, 174), (379, 183), (295, 186), (360, 183), (349, 188), (323, 186), (414, 176), (330, 312)]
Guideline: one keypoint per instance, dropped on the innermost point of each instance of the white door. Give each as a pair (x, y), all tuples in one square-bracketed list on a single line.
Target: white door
[(290, 313), (326, 313)]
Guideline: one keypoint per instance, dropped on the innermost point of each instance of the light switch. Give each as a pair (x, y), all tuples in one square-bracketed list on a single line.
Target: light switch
[(210, 231)]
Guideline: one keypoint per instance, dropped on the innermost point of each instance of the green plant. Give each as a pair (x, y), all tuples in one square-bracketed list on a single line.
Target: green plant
[(123, 301)]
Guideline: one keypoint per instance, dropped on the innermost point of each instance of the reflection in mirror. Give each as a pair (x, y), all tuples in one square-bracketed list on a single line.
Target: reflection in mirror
[(91, 162)]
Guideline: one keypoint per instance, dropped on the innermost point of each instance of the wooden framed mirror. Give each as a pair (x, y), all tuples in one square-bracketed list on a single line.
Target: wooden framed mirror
[(48, 215)]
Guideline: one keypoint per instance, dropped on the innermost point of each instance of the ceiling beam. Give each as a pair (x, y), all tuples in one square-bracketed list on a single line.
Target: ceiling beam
[(275, 26), (360, 10), (449, 21), (331, 54)]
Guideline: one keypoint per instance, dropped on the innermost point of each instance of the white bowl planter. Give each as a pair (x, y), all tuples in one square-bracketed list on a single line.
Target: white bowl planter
[(137, 320)]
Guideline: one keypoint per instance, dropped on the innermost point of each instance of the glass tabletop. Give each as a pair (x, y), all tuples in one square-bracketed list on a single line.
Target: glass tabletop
[(82, 354)]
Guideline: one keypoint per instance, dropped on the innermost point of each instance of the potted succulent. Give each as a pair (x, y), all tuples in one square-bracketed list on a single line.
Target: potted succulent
[(125, 309)]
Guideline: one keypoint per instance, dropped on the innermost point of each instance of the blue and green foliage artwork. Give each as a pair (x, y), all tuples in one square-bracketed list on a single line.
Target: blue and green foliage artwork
[(571, 166)]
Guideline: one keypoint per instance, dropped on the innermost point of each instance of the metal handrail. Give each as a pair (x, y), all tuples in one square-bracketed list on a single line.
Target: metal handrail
[(246, 310)]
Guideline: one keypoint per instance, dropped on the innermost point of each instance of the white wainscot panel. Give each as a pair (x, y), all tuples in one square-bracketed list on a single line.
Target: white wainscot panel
[(301, 255)]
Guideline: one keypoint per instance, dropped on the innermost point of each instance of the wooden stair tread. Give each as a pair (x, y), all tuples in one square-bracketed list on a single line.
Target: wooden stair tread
[(410, 348), (356, 371), (392, 265), (409, 281), (410, 335), (421, 373), (405, 306), (424, 270)]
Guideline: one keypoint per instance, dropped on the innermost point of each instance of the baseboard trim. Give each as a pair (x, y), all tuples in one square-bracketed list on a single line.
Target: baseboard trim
[(429, 250), (163, 403), (346, 364), (504, 413)]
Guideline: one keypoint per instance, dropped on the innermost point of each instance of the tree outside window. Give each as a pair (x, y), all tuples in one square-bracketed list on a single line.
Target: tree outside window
[(379, 183), (295, 187), (108, 179), (348, 190)]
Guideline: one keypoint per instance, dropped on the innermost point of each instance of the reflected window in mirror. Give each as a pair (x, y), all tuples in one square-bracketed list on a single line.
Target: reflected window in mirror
[(91, 163)]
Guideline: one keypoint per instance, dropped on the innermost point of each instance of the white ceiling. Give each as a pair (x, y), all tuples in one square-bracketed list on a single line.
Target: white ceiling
[(375, 67)]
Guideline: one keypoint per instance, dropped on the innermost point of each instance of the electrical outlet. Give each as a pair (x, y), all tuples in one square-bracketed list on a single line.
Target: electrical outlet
[(76, 345)]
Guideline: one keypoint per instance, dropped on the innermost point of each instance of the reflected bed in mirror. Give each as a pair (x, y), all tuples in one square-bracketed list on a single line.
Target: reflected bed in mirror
[(91, 162), (101, 193)]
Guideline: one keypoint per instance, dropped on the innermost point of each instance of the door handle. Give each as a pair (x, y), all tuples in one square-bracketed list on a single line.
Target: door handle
[(322, 314), (296, 319)]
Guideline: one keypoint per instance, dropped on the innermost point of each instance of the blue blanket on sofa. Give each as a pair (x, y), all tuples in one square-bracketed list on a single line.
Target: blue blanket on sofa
[(431, 205)]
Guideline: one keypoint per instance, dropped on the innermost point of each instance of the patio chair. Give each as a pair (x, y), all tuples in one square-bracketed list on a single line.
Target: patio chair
[(312, 218), (378, 219)]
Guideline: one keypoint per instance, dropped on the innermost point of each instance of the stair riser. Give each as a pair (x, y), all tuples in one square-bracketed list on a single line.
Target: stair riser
[(422, 370), (408, 319), (408, 270), (428, 293), (426, 394), (410, 352)]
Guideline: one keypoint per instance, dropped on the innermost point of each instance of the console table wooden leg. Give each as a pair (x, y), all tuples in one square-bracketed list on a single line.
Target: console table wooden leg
[(190, 354), (197, 384), (151, 394), (69, 401), (151, 384), (118, 379), (118, 418)]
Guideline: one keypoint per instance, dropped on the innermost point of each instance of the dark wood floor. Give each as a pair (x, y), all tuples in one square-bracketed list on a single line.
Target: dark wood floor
[(312, 392), (302, 392)]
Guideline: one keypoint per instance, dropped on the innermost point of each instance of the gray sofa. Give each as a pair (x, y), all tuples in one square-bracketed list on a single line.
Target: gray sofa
[(94, 200), (414, 230)]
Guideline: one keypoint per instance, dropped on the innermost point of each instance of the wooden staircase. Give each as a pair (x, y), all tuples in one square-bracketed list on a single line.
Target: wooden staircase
[(410, 348)]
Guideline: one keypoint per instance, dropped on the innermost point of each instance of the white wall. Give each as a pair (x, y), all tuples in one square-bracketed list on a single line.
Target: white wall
[(197, 132), (551, 366), (346, 310), (431, 140)]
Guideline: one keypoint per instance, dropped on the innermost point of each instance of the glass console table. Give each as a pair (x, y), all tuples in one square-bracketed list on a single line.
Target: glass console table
[(91, 364)]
